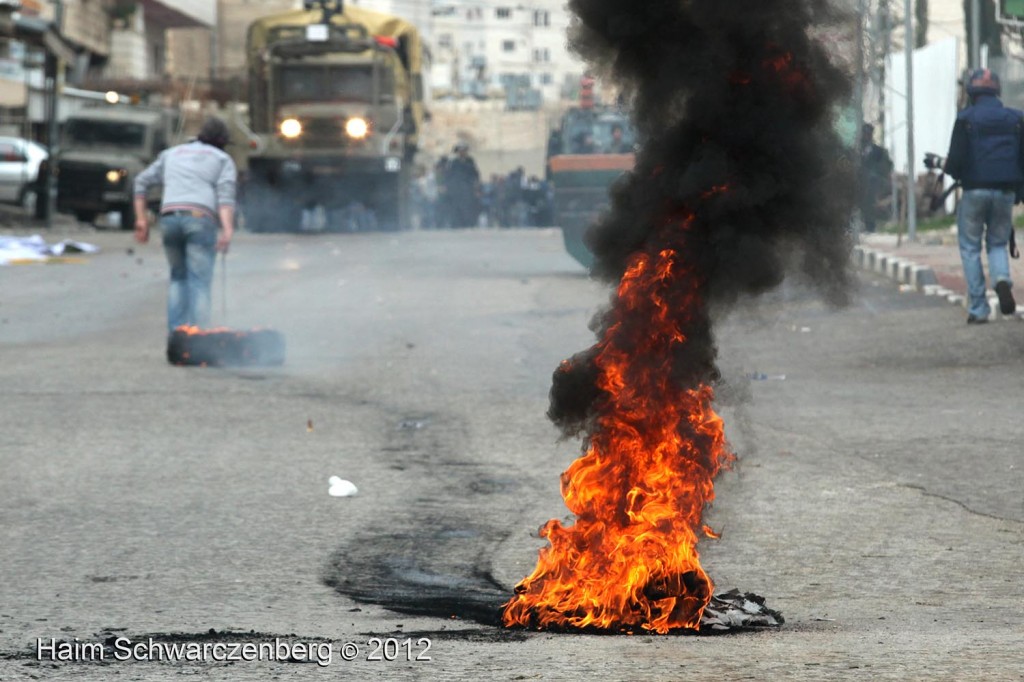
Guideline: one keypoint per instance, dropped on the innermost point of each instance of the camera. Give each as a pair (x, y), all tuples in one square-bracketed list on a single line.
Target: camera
[(933, 161)]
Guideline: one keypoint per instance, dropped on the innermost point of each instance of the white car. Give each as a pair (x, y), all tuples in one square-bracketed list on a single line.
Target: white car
[(19, 170)]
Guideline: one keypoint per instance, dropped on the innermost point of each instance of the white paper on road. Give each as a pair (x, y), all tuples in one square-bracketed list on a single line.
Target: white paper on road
[(341, 488), (35, 248)]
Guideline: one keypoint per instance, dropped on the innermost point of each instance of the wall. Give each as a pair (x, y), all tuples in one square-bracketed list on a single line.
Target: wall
[(234, 17), (499, 140), (87, 23), (474, 30), (129, 57), (189, 52)]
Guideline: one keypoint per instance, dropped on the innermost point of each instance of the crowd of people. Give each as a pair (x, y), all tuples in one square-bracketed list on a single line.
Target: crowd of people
[(452, 193)]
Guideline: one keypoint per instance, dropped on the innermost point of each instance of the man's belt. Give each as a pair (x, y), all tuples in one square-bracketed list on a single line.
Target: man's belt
[(194, 212)]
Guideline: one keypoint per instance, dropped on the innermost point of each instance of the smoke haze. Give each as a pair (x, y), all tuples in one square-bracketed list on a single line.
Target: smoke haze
[(740, 172)]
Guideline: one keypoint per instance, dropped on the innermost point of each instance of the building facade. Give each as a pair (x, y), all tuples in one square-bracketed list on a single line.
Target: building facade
[(139, 39), (484, 47), (233, 19)]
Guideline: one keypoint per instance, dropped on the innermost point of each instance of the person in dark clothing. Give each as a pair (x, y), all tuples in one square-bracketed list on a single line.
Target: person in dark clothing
[(489, 199), (618, 144), (987, 157), (463, 183), (442, 216), (583, 143), (875, 175), (515, 211)]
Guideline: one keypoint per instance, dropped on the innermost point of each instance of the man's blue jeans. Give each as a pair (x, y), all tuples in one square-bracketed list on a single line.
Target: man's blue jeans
[(189, 242), (985, 212)]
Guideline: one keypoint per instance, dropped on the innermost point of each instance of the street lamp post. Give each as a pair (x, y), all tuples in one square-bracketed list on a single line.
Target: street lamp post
[(51, 79), (908, 40), (975, 56)]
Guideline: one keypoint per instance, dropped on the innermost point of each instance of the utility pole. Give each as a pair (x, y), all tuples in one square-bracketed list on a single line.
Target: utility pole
[(908, 48), (858, 101), (885, 26), (51, 77), (975, 34), (862, 12)]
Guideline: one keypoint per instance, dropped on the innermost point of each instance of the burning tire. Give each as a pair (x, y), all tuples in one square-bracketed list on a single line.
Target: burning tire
[(222, 347)]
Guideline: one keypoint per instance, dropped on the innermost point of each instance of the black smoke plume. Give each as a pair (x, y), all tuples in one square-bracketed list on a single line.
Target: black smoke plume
[(734, 103)]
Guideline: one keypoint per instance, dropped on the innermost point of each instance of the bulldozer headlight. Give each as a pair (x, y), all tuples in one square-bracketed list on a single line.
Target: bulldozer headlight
[(357, 128), (291, 128)]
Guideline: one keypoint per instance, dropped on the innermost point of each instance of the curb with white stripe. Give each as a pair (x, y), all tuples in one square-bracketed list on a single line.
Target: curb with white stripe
[(912, 276)]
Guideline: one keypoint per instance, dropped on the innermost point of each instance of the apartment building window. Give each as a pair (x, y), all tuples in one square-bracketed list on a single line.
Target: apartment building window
[(508, 46), (541, 17), (542, 54), (444, 40), (546, 79), (503, 12)]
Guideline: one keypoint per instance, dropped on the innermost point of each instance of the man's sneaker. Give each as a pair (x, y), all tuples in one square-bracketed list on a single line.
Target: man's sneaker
[(973, 319), (1007, 306)]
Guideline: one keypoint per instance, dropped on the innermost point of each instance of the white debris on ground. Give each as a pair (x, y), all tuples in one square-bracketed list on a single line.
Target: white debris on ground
[(734, 610), (341, 488), (34, 249)]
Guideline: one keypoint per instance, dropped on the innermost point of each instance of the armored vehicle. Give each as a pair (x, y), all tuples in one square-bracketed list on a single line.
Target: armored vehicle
[(102, 151), (587, 152), (336, 109)]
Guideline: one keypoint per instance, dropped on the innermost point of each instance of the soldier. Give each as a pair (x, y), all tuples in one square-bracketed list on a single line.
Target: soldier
[(618, 144), (463, 187), (875, 172)]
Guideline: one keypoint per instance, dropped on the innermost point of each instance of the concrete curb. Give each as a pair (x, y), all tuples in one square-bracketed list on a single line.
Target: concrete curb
[(914, 277)]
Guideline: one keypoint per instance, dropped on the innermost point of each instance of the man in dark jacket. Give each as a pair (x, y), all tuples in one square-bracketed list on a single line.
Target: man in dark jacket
[(463, 182), (986, 156), (875, 172)]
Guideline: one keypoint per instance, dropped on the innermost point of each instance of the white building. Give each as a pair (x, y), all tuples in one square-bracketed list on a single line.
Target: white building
[(480, 47), (488, 46), (484, 47), (416, 12)]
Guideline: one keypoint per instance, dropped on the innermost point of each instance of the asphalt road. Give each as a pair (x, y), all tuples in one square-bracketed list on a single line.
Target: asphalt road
[(878, 501)]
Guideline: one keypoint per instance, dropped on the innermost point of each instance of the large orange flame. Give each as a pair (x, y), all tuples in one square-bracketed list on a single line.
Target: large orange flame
[(630, 560)]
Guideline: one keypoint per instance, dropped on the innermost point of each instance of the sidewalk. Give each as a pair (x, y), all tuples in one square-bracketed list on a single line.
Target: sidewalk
[(931, 265)]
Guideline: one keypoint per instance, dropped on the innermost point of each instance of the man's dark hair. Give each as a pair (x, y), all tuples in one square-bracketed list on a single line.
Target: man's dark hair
[(214, 132)]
